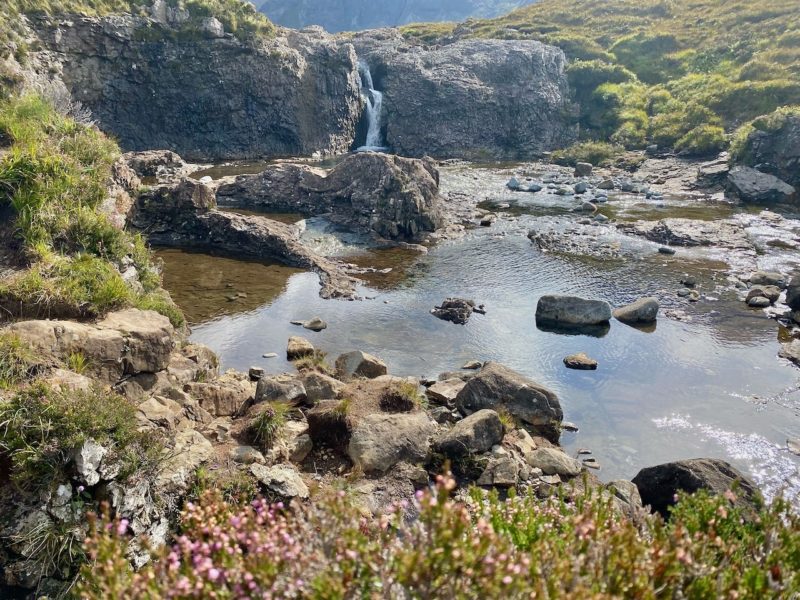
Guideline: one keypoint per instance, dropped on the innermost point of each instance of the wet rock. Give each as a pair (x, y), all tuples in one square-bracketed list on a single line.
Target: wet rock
[(758, 302), (666, 250), (360, 364), (751, 185), (768, 278), (488, 220), (689, 232), (791, 351), (298, 347), (580, 362), (533, 188), (644, 310), (455, 310), (583, 169), (255, 373), (472, 435), (495, 387), (394, 197), (571, 310), (606, 184), (445, 392), (553, 461), (581, 187), (380, 441), (658, 485), (472, 365), (322, 387), (770, 292), (281, 480), (514, 184), (315, 324), (793, 293)]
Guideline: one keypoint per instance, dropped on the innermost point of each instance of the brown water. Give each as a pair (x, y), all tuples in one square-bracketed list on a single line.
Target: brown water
[(711, 385)]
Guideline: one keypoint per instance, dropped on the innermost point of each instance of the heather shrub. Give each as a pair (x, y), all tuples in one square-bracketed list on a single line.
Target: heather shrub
[(482, 547), (316, 361), (16, 360), (265, 426), (702, 140)]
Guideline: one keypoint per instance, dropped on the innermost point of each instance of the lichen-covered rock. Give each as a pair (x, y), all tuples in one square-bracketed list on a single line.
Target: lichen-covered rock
[(281, 480), (380, 441), (474, 434)]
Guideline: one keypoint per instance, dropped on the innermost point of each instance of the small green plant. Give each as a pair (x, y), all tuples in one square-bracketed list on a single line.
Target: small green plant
[(316, 361), (78, 363), (402, 396), (16, 360), (509, 421), (595, 153), (40, 428), (268, 422)]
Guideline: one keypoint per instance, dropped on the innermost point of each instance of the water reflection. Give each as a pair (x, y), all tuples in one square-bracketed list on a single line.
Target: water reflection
[(207, 287)]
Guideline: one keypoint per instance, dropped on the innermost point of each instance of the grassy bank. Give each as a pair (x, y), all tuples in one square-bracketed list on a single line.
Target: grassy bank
[(677, 73), (487, 548), (54, 175)]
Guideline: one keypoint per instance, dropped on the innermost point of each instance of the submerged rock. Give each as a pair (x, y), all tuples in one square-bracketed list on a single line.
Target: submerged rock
[(580, 362), (572, 310), (658, 485), (455, 310), (497, 387)]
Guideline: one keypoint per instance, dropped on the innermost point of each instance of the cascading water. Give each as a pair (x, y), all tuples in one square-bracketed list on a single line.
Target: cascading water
[(374, 108)]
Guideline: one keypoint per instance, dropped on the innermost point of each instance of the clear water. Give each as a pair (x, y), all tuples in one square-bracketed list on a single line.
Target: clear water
[(711, 386)]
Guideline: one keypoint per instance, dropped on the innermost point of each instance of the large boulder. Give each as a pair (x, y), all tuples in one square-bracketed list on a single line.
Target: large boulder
[(570, 310), (394, 197), (127, 342), (380, 441), (553, 461), (216, 97), (497, 387), (475, 434), (223, 397), (280, 388), (773, 146), (751, 185), (658, 485), (644, 310), (360, 364), (469, 99)]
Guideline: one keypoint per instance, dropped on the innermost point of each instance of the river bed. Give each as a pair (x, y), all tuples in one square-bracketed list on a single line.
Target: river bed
[(707, 382)]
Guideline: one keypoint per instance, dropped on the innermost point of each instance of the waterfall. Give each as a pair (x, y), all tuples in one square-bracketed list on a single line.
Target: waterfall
[(374, 102)]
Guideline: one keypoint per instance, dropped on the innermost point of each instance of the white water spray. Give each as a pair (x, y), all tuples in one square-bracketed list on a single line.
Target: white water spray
[(374, 102)]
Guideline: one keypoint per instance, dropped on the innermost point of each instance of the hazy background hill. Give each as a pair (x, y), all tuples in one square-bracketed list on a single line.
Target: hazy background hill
[(354, 15)]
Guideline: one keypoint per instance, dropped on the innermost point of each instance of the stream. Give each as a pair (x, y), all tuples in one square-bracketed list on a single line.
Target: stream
[(706, 383)]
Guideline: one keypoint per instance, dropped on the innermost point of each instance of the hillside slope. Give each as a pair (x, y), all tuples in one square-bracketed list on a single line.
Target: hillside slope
[(671, 72), (355, 15)]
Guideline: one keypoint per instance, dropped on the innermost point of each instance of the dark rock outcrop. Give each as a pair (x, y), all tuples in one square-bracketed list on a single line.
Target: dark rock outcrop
[(775, 150), (496, 387), (658, 485), (185, 215), (751, 185), (470, 99), (394, 197), (204, 96)]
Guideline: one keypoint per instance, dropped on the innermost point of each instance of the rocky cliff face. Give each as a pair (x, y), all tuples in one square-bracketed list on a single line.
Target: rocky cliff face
[(355, 15), (205, 94), (775, 150), (473, 99)]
